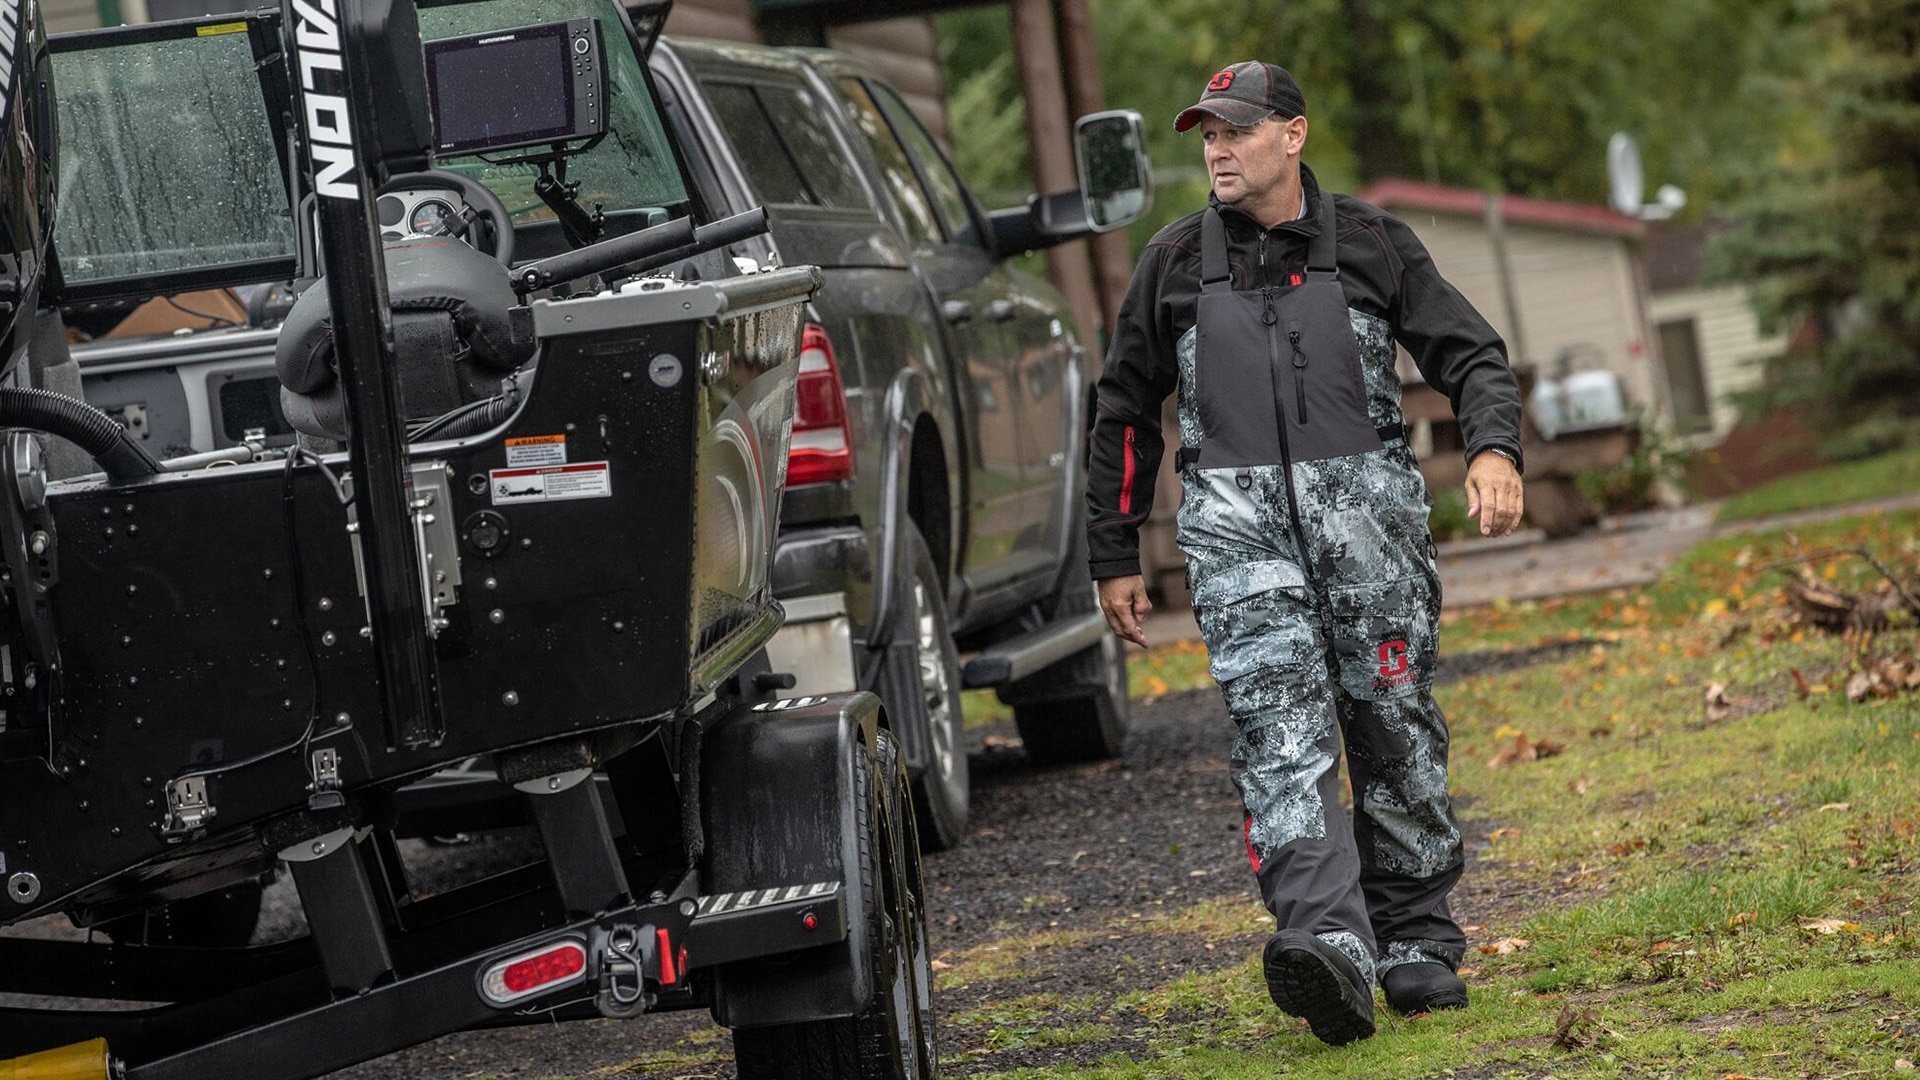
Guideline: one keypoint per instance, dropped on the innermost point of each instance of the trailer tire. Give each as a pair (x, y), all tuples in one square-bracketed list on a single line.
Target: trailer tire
[(893, 1037)]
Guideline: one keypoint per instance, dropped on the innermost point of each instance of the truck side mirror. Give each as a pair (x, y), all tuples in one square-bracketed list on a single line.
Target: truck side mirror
[(1116, 187), (1116, 178)]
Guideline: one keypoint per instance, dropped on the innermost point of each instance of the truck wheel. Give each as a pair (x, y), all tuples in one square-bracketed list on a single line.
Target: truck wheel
[(222, 918), (942, 790), (1077, 709), (892, 1039)]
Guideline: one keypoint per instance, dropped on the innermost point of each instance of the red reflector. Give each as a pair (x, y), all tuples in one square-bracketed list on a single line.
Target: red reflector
[(529, 973), (667, 974), (822, 445)]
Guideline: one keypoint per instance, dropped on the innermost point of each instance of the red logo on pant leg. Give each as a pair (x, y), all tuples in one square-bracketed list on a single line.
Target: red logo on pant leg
[(1395, 663), (1220, 82), (1252, 855)]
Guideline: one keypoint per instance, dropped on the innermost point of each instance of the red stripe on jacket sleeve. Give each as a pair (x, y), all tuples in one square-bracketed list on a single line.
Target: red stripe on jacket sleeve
[(1126, 476)]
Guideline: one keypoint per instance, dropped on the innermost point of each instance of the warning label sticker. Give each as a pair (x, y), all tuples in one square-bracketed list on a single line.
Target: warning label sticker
[(551, 483), (534, 450)]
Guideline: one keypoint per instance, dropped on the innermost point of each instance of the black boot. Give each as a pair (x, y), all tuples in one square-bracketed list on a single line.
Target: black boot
[(1426, 987), (1313, 980)]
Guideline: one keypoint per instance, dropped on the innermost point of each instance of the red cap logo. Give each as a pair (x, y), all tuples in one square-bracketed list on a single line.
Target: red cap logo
[(1221, 81)]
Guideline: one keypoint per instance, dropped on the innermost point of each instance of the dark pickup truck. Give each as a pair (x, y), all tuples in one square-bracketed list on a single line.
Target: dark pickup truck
[(934, 499), (934, 488)]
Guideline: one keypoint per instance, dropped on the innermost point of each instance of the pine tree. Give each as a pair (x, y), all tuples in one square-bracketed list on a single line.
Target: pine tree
[(1837, 243)]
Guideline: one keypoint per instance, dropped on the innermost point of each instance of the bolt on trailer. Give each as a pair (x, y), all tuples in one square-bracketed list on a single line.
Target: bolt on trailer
[(542, 429)]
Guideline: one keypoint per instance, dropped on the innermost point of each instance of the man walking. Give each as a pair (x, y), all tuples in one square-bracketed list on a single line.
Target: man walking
[(1274, 312)]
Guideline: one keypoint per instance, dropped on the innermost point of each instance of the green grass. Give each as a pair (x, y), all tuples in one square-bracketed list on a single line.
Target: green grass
[(1732, 896), (1896, 473)]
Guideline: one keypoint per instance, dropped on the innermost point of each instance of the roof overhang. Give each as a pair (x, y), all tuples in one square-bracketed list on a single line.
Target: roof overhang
[(1401, 195)]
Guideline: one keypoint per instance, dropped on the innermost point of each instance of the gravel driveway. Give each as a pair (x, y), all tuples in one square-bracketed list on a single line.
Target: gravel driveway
[(1061, 853)]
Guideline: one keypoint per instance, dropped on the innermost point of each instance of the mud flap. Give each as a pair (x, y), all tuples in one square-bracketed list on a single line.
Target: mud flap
[(783, 808)]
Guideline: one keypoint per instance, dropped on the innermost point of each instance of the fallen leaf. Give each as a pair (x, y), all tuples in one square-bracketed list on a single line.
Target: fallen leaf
[(1859, 686), (1505, 946), (1743, 918), (1902, 1065), (1498, 835), (1574, 1027), (1719, 707), (1520, 751), (939, 965), (1834, 806), (1547, 748), (1800, 684), (1827, 926), (1579, 787)]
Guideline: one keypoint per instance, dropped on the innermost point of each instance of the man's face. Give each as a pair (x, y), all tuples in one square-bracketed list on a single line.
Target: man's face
[(1250, 162)]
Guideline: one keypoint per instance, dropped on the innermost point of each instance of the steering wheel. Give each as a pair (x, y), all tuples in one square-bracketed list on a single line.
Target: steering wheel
[(478, 197)]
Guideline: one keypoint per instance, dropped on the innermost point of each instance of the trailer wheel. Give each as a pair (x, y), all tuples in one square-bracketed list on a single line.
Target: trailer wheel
[(942, 790), (893, 1037), (222, 918)]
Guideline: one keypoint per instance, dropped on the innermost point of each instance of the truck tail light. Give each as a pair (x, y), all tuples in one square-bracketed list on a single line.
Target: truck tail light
[(531, 973), (822, 445)]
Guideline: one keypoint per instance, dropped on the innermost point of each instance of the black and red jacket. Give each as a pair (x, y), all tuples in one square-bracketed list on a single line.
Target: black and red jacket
[(1385, 271)]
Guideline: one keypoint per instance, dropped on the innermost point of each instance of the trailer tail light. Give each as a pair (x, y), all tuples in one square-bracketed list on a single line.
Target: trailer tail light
[(822, 445), (533, 972)]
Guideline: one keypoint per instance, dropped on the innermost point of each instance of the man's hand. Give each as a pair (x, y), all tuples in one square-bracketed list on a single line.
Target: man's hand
[(1494, 495), (1124, 602)]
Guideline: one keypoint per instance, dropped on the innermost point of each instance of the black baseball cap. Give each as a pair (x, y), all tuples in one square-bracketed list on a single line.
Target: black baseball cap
[(1245, 94)]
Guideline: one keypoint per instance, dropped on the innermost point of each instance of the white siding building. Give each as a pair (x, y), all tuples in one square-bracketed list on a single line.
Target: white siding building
[(1709, 337)]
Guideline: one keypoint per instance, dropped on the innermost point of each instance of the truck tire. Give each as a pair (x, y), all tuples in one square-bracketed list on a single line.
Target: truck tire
[(893, 1037), (1077, 709), (943, 789), (224, 918)]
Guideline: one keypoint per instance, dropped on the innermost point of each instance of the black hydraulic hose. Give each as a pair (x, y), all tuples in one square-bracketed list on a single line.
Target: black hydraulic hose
[(80, 423)]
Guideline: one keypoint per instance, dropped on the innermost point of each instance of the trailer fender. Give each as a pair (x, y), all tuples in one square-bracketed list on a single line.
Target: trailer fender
[(782, 809)]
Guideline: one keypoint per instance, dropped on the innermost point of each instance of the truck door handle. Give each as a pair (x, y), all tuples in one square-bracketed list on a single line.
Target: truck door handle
[(957, 311), (1001, 310)]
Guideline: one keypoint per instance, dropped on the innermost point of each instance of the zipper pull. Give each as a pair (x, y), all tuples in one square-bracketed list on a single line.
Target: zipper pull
[(1268, 316), (1293, 339)]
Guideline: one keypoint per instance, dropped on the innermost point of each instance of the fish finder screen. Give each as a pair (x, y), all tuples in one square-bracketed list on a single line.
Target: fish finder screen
[(511, 88)]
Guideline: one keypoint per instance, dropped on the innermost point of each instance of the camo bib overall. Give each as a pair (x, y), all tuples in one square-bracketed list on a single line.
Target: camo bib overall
[(1304, 520)]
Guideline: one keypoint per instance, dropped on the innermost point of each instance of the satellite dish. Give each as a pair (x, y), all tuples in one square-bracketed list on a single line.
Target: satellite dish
[(1627, 185)]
